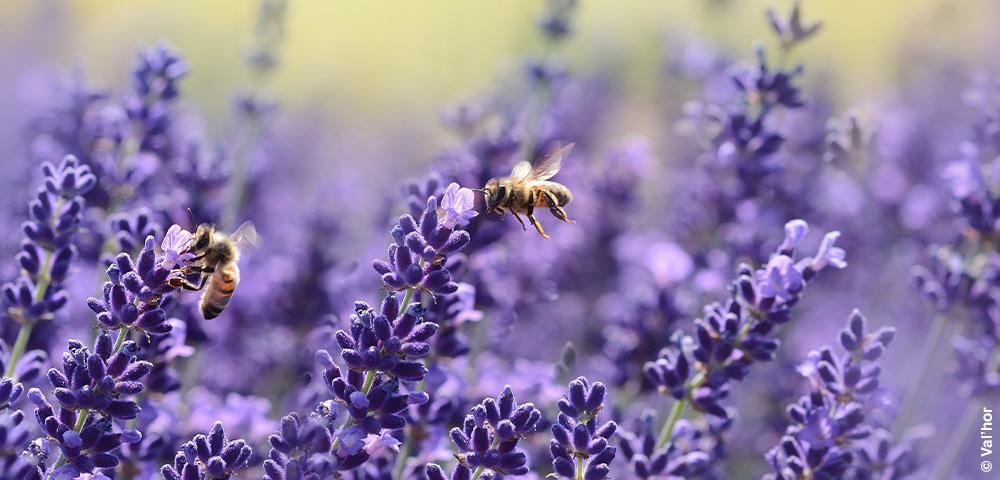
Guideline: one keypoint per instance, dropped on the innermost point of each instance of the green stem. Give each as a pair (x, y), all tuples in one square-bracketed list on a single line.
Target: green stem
[(927, 354), (957, 441), (369, 380), (407, 298), (122, 335), (19, 345), (81, 419), (668, 426), (41, 288), (579, 468)]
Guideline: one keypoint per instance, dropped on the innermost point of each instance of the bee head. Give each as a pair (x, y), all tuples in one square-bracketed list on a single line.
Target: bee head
[(202, 238), (495, 194)]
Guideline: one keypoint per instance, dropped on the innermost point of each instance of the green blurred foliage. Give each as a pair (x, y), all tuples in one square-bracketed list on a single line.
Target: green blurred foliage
[(371, 58)]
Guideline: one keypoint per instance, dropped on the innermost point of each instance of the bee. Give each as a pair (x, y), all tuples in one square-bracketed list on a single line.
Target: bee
[(215, 259), (528, 187)]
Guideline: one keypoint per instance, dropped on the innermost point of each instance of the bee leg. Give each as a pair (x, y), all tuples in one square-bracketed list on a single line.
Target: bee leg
[(188, 270), (554, 207), (518, 217), (538, 226), (178, 282)]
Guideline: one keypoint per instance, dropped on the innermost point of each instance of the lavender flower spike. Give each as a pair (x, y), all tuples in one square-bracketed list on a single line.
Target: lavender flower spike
[(47, 250), (489, 436), (209, 457), (138, 293), (830, 425), (417, 258), (580, 446)]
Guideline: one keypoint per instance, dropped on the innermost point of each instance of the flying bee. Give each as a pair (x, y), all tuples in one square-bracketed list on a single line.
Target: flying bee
[(528, 187), (215, 259)]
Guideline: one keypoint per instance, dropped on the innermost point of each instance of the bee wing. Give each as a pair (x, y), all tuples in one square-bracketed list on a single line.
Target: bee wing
[(550, 165), (521, 171), (245, 237)]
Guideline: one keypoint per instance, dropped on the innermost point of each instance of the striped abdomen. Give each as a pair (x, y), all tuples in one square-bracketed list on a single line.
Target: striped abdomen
[(556, 190), (219, 290)]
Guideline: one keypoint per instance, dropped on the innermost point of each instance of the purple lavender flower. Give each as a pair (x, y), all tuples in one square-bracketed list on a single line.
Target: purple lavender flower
[(732, 336), (458, 206), (555, 23), (417, 258), (389, 341), (14, 436), (828, 424), (489, 436), (975, 366), (27, 368), (792, 31), (450, 312), (155, 83), (102, 380), (86, 441), (647, 460), (297, 449), (158, 72), (47, 250), (209, 457), (161, 351), (581, 447), (137, 293), (131, 229), (175, 246)]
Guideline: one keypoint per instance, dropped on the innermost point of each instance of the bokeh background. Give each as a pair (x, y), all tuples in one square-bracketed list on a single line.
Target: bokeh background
[(374, 61), (361, 89)]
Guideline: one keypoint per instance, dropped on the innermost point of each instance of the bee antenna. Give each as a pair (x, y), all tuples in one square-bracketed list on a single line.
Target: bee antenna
[(194, 222), (478, 190)]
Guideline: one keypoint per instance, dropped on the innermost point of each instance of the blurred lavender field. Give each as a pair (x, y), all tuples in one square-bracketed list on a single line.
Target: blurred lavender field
[(784, 262)]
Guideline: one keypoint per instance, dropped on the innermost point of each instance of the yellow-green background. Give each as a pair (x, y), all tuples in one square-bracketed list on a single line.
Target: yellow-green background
[(373, 57)]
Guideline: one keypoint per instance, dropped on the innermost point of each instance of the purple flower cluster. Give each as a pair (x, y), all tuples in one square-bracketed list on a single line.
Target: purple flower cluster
[(487, 441), (831, 424), (209, 457), (86, 442), (734, 335), (389, 342), (47, 250), (580, 446), (102, 380), (137, 293), (418, 257)]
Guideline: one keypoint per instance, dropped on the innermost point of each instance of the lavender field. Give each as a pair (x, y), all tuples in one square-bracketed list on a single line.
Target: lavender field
[(562, 239)]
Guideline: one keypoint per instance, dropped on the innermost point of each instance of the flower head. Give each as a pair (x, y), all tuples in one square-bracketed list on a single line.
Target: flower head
[(490, 433), (209, 457), (829, 254), (578, 441), (457, 206), (175, 244)]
